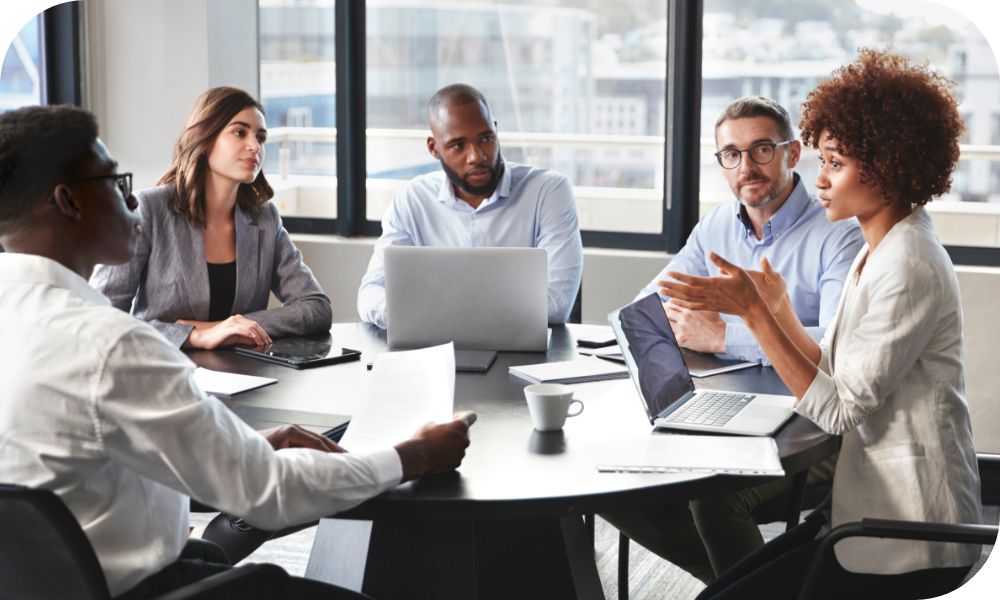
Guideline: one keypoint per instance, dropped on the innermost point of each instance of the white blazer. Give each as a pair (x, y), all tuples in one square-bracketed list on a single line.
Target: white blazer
[(891, 382)]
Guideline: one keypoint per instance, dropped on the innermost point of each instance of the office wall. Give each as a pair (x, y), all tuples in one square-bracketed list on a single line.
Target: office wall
[(612, 277), (145, 63)]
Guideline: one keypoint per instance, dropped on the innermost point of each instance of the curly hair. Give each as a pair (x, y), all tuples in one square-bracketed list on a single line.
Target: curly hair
[(40, 146), (900, 121), (188, 171)]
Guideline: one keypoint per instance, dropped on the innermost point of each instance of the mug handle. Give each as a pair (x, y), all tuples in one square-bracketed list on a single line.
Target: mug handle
[(573, 414)]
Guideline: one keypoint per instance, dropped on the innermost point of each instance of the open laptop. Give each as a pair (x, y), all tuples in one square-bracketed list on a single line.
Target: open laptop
[(667, 390), (478, 298)]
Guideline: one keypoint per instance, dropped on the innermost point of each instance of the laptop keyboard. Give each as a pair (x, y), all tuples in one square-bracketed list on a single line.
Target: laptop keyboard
[(713, 409)]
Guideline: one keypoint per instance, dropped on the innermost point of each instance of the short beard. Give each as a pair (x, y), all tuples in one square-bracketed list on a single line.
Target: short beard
[(486, 190)]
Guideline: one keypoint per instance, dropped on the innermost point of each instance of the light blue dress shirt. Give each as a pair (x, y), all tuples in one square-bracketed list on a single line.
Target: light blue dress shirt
[(531, 208), (812, 254)]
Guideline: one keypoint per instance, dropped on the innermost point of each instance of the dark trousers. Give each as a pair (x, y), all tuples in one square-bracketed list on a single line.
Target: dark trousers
[(778, 570), (201, 559)]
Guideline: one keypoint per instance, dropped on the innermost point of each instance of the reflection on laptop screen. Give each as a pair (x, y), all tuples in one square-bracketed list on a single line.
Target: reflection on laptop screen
[(663, 376)]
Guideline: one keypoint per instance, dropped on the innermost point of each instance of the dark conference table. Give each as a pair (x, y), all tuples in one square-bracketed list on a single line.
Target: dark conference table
[(508, 523)]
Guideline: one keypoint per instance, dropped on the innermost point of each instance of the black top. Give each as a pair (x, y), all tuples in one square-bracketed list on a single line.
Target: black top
[(222, 290)]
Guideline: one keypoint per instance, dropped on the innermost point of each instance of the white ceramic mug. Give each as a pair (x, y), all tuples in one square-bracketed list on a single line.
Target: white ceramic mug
[(549, 405)]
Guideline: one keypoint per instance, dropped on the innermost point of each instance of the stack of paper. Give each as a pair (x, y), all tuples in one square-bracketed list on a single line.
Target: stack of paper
[(218, 383), (571, 371), (408, 390)]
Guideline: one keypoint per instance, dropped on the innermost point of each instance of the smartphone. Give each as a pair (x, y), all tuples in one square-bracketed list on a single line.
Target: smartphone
[(597, 341)]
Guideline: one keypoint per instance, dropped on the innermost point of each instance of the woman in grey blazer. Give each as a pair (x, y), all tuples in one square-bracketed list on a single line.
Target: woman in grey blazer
[(212, 247), (888, 374)]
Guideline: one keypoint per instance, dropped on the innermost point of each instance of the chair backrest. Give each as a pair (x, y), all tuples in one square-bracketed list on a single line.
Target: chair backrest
[(43, 551)]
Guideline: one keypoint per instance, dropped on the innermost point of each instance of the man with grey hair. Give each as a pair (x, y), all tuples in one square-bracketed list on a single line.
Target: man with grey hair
[(775, 218), (477, 199)]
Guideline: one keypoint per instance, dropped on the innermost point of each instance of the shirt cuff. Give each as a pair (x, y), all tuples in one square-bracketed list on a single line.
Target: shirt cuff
[(741, 344), (819, 403), (388, 467)]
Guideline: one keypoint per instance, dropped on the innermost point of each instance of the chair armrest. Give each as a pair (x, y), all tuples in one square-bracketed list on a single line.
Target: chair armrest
[(262, 581), (885, 528)]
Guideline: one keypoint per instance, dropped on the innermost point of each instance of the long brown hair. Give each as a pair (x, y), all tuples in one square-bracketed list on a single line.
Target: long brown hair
[(189, 167)]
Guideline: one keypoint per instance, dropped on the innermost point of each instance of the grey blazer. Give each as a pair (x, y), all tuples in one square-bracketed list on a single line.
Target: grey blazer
[(167, 279)]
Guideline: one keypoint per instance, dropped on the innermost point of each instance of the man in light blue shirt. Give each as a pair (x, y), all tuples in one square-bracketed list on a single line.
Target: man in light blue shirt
[(478, 200), (774, 218)]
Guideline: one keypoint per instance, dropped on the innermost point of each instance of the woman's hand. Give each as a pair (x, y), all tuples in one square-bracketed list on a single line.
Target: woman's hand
[(771, 287), (236, 330), (734, 293)]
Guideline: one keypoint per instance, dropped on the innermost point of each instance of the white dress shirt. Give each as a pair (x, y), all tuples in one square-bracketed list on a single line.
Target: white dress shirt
[(891, 382), (98, 407), (531, 208)]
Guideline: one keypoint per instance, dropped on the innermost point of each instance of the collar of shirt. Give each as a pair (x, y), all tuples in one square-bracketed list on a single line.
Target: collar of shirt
[(30, 268), (446, 195), (796, 204)]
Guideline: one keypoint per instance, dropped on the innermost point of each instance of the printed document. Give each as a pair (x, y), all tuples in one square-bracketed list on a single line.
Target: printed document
[(408, 389)]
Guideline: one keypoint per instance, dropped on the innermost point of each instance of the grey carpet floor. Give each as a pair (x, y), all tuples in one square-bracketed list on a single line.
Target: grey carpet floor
[(650, 577)]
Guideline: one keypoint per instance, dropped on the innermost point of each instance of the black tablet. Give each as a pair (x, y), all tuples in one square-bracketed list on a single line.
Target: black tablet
[(301, 353)]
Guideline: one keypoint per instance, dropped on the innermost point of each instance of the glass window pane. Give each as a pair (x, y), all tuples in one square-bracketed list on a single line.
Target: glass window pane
[(297, 88), (575, 85), (20, 76), (783, 49)]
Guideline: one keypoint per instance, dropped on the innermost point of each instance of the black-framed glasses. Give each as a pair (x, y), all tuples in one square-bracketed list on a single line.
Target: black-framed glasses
[(760, 153), (122, 180)]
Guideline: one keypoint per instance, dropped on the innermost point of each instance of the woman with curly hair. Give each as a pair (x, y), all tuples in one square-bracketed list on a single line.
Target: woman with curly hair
[(212, 247), (888, 373)]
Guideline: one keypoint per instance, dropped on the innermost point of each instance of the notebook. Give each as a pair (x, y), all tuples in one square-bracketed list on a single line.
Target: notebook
[(666, 389), (579, 370), (478, 298), (260, 417)]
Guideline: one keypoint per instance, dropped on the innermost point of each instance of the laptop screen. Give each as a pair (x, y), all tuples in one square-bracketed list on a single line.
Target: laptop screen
[(662, 376)]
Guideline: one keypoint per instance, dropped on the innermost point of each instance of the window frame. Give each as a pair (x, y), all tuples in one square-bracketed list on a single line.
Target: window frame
[(683, 95), (59, 55)]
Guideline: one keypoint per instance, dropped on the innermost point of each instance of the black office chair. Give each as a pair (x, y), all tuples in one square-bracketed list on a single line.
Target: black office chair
[(989, 475), (787, 508), (45, 554), (815, 587), (576, 313)]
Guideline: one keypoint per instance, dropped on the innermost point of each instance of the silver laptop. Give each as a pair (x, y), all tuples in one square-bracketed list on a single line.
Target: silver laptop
[(479, 298), (667, 390)]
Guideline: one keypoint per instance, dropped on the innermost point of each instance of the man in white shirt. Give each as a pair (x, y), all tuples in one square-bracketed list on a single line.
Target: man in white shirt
[(477, 199), (98, 407)]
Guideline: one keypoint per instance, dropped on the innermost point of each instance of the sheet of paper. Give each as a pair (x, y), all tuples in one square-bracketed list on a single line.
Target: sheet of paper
[(228, 384), (407, 390), (675, 453)]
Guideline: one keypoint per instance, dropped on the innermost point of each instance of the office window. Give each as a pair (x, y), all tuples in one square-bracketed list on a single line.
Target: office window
[(576, 86), (21, 73), (783, 49), (297, 88)]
